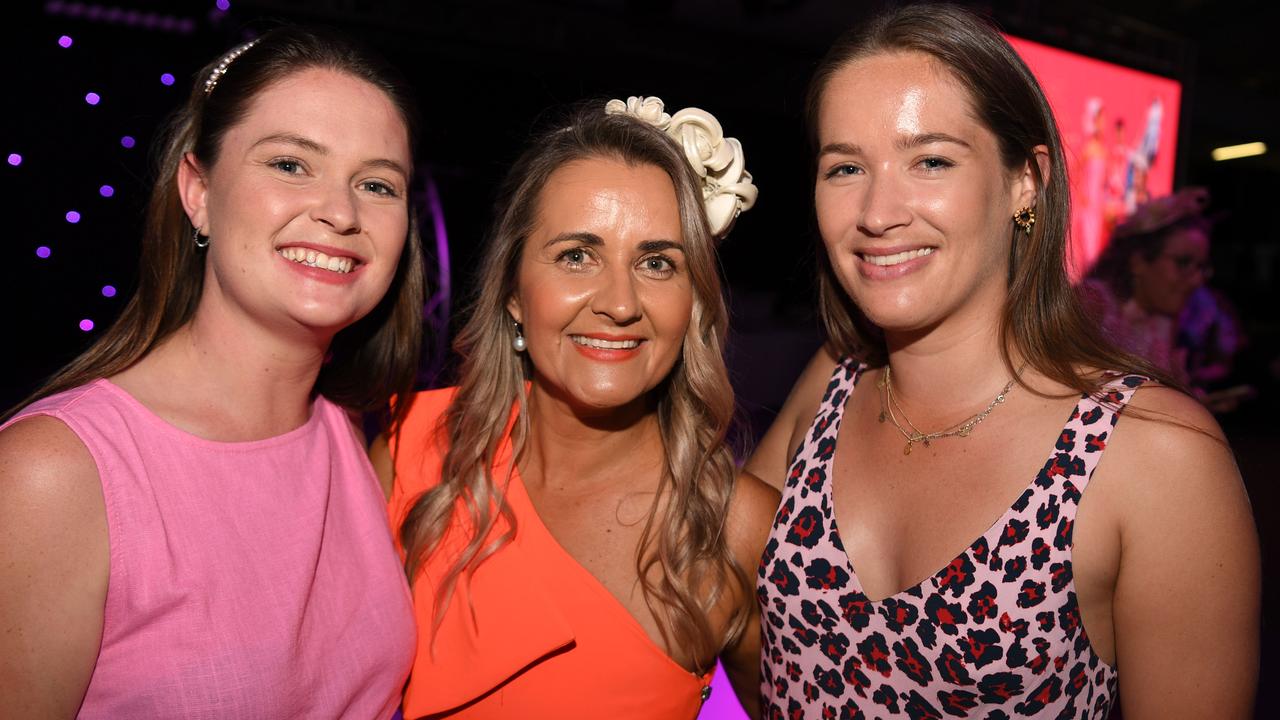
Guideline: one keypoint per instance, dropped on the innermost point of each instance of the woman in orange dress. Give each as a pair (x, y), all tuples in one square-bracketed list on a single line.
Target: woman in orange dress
[(579, 541)]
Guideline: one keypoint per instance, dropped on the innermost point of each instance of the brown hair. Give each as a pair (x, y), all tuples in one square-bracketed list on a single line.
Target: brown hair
[(370, 360), (1113, 267), (1042, 319), (682, 534)]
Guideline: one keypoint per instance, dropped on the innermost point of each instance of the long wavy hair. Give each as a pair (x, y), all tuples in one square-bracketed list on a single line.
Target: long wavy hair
[(683, 531), (1042, 318), (370, 360)]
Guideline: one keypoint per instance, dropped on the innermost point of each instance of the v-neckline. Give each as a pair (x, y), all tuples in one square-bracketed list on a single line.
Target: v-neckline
[(590, 580), (828, 495)]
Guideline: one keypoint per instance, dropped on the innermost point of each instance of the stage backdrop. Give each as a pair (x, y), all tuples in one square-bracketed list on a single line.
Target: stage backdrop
[(1120, 127)]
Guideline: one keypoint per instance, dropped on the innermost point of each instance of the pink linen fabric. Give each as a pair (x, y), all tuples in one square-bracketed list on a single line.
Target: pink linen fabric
[(248, 579)]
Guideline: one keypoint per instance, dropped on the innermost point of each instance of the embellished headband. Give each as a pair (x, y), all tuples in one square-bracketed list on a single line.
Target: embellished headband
[(727, 189), (227, 59)]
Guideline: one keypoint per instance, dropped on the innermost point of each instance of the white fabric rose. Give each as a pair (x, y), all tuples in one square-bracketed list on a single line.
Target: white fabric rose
[(727, 187)]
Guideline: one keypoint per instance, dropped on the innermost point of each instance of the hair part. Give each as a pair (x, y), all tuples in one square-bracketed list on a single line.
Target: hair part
[(1043, 321), (682, 535), (369, 361)]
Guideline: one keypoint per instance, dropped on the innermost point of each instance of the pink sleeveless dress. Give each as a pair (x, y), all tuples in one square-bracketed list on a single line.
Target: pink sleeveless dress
[(248, 579), (995, 633)]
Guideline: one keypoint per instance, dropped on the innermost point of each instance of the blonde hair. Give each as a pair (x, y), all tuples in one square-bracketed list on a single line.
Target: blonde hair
[(683, 533)]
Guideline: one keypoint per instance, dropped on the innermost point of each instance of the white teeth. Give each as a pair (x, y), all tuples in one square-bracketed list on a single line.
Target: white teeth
[(313, 258), (896, 258), (605, 344)]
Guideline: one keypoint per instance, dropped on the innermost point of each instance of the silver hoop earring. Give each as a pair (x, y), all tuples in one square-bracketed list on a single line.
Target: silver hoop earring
[(201, 241), (519, 344)]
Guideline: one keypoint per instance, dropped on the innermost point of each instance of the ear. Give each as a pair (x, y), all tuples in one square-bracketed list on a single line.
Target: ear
[(1025, 187), (193, 189), (513, 307)]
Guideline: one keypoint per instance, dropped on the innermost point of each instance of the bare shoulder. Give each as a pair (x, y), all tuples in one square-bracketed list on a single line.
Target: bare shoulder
[(54, 565), (751, 513), (769, 459), (1166, 431)]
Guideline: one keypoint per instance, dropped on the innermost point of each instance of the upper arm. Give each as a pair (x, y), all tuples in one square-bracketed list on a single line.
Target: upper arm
[(769, 461), (751, 515), (383, 463), (1186, 603), (54, 565)]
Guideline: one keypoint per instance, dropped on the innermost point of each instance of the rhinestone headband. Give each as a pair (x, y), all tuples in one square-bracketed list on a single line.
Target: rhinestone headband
[(227, 59), (727, 188)]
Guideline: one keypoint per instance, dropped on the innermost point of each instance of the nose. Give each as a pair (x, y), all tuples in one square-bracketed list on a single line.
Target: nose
[(615, 295), (883, 204), (336, 207)]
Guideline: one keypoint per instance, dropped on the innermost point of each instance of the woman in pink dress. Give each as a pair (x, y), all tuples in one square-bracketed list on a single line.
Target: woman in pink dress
[(189, 526)]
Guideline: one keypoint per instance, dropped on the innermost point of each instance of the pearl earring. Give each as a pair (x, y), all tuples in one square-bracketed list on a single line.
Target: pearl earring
[(519, 344)]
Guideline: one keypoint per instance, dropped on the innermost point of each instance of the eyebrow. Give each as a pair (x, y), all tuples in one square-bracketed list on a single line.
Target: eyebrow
[(587, 238), (902, 143), (312, 146)]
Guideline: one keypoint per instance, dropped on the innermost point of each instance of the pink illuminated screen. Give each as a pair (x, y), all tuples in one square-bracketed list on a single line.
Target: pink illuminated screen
[(1120, 128)]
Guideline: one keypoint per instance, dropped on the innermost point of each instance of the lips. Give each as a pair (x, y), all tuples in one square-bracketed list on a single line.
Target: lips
[(895, 258), (324, 257), (603, 343)]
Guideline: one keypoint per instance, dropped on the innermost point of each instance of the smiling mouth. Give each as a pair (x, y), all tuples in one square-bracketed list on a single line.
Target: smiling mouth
[(315, 259), (600, 344), (896, 258)]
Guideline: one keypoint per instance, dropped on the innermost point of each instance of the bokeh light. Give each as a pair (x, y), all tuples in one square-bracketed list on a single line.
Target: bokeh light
[(86, 324), (106, 191), (65, 41), (73, 217), (127, 141), (15, 159), (166, 79), (223, 5), (93, 98), (43, 251), (108, 291)]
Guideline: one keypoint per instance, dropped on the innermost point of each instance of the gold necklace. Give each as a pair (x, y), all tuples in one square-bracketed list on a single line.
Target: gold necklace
[(915, 435)]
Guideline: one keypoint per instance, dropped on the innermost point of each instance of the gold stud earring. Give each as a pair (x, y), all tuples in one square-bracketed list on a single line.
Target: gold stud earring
[(1025, 219)]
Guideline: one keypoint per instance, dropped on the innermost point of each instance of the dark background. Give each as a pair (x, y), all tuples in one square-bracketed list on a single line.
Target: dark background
[(485, 72)]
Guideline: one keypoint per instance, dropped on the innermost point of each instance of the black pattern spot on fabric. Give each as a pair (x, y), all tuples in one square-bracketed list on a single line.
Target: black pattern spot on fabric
[(854, 677), (1095, 443), (1091, 416), (1014, 568), (1047, 515), (1066, 440), (1039, 553), (1031, 594), (951, 667), (829, 681), (814, 480), (822, 575), (1021, 503), (1015, 531), (826, 448), (911, 662), (856, 610), (981, 647), (803, 633), (898, 614), (806, 529), (918, 708), (783, 579), (982, 603), (956, 576), (874, 653), (886, 696), (1000, 687), (928, 633), (957, 703), (1060, 575), (980, 550), (1042, 695), (834, 645), (1045, 621), (947, 616), (1062, 536)]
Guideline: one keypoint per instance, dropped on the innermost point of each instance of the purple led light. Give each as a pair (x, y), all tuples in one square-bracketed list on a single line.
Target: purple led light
[(106, 191), (43, 251), (65, 41), (223, 5), (108, 291), (86, 324), (15, 159), (93, 98), (73, 217), (166, 79), (127, 141)]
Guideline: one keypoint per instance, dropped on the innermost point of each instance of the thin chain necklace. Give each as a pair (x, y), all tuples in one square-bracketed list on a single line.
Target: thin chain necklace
[(961, 429)]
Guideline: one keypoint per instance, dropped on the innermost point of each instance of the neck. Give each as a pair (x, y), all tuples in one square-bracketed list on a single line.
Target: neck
[(945, 374), (239, 380), (570, 446)]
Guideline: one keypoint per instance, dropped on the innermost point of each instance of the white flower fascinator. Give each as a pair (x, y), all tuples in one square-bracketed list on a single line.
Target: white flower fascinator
[(727, 189)]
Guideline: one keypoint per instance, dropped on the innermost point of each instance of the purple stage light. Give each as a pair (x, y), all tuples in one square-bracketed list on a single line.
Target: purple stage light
[(86, 324), (73, 217), (15, 159), (43, 251), (127, 141), (106, 191), (223, 5), (108, 291), (93, 98), (166, 79), (65, 41)]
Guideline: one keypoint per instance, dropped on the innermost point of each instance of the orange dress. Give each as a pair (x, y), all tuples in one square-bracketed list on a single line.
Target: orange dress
[(532, 634)]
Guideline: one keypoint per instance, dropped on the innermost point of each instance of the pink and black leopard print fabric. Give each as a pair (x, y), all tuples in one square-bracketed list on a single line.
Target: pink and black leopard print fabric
[(994, 634)]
